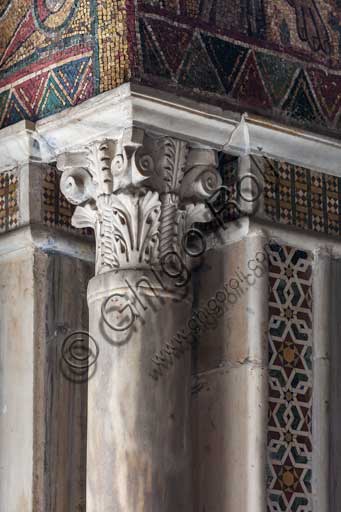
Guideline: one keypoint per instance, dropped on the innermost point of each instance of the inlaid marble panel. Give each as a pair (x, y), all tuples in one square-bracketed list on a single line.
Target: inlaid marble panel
[(9, 209), (290, 380), (301, 197)]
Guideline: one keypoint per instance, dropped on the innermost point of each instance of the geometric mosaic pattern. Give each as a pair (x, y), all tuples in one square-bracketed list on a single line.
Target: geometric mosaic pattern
[(57, 211), (290, 381), (9, 213), (228, 170), (300, 197)]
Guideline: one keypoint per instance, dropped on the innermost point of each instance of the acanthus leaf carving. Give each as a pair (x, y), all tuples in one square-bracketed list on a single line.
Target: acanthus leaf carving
[(163, 161), (134, 222), (139, 196), (100, 156), (173, 163), (84, 217)]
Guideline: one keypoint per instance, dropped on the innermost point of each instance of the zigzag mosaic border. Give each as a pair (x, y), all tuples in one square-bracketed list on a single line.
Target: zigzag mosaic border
[(54, 59), (179, 54), (48, 91)]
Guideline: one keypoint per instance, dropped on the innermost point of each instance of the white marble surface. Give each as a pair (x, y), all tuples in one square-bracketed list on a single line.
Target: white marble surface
[(110, 114)]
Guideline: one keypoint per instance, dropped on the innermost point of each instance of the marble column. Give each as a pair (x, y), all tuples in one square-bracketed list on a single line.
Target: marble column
[(142, 195)]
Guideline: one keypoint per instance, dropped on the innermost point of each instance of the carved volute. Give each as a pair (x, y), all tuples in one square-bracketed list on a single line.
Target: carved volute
[(140, 197)]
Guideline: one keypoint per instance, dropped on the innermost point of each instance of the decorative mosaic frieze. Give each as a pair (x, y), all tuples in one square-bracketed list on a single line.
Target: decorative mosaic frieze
[(58, 53), (290, 380), (56, 210), (9, 209), (300, 197), (281, 59)]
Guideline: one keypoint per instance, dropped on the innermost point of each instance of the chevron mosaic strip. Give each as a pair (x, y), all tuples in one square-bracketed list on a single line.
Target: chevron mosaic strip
[(290, 381), (49, 91), (250, 56), (56, 54)]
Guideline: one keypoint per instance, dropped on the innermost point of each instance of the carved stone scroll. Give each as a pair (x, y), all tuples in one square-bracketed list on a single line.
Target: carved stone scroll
[(139, 197)]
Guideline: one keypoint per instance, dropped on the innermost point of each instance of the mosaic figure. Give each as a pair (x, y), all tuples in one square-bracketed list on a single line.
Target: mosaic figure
[(249, 15), (310, 25)]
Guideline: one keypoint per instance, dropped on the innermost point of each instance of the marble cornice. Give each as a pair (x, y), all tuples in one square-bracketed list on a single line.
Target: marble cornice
[(130, 106)]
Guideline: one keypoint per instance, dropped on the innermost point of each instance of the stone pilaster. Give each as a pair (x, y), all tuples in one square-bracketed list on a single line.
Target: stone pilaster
[(44, 268)]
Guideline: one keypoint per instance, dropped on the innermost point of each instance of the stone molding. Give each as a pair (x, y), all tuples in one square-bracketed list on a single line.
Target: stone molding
[(130, 106), (47, 240), (141, 194)]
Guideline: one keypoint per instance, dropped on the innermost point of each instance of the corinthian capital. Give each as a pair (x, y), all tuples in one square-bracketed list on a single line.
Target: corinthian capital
[(140, 195)]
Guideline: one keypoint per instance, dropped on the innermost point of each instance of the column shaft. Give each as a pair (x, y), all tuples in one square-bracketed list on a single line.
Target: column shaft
[(138, 428)]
